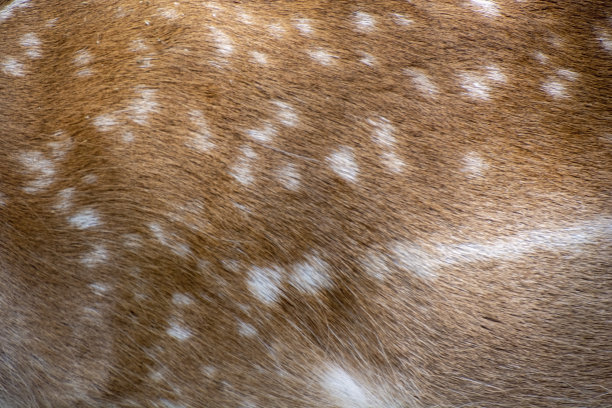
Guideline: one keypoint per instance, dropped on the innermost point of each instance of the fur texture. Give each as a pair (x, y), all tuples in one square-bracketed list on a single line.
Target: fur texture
[(305, 204)]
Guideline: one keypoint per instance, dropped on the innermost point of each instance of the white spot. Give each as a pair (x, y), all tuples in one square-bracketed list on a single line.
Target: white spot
[(487, 7), (401, 20), (139, 45), (87, 218), (276, 30), (541, 57), (60, 146), (495, 74), (2, 199), (99, 288), (177, 331), (382, 132), (171, 241), (32, 43), (82, 57), (474, 165), (605, 39), (415, 259), (223, 42), (264, 283), (310, 275), (393, 163), (127, 136), (322, 57), (200, 137), (364, 21), (8, 10), (11, 66), (98, 255), (475, 86), (422, 82), (303, 25), (345, 390), (567, 74), (342, 162), (245, 18), (105, 122), (263, 135), (242, 170), (289, 177), (554, 88), (181, 299), (169, 12), (286, 114), (209, 371), (142, 106), (259, 57), (36, 163), (367, 59), (246, 330), (64, 202)]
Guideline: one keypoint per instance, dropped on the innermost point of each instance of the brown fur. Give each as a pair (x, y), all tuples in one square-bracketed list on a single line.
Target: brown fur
[(476, 273)]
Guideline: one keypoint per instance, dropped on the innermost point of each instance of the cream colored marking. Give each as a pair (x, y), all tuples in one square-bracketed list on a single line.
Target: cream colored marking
[(367, 59), (364, 22), (259, 57), (246, 330), (242, 170), (85, 219), (169, 240), (487, 7), (105, 122), (265, 283), (178, 331), (422, 82), (181, 300), (11, 66), (392, 161), (201, 136), (424, 261), (276, 30), (342, 162), (400, 19), (289, 177), (322, 57), (142, 106), (170, 13), (286, 114), (98, 255), (225, 45), (99, 288), (310, 275), (304, 26), (10, 8), (541, 57), (475, 86), (474, 165), (554, 88), (32, 43), (36, 163), (604, 38), (65, 197)]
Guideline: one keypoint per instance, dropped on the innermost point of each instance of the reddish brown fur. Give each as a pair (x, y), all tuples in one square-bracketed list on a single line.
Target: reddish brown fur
[(448, 325)]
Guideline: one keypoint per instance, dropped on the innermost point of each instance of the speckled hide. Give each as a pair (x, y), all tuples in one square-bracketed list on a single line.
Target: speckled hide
[(305, 204)]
